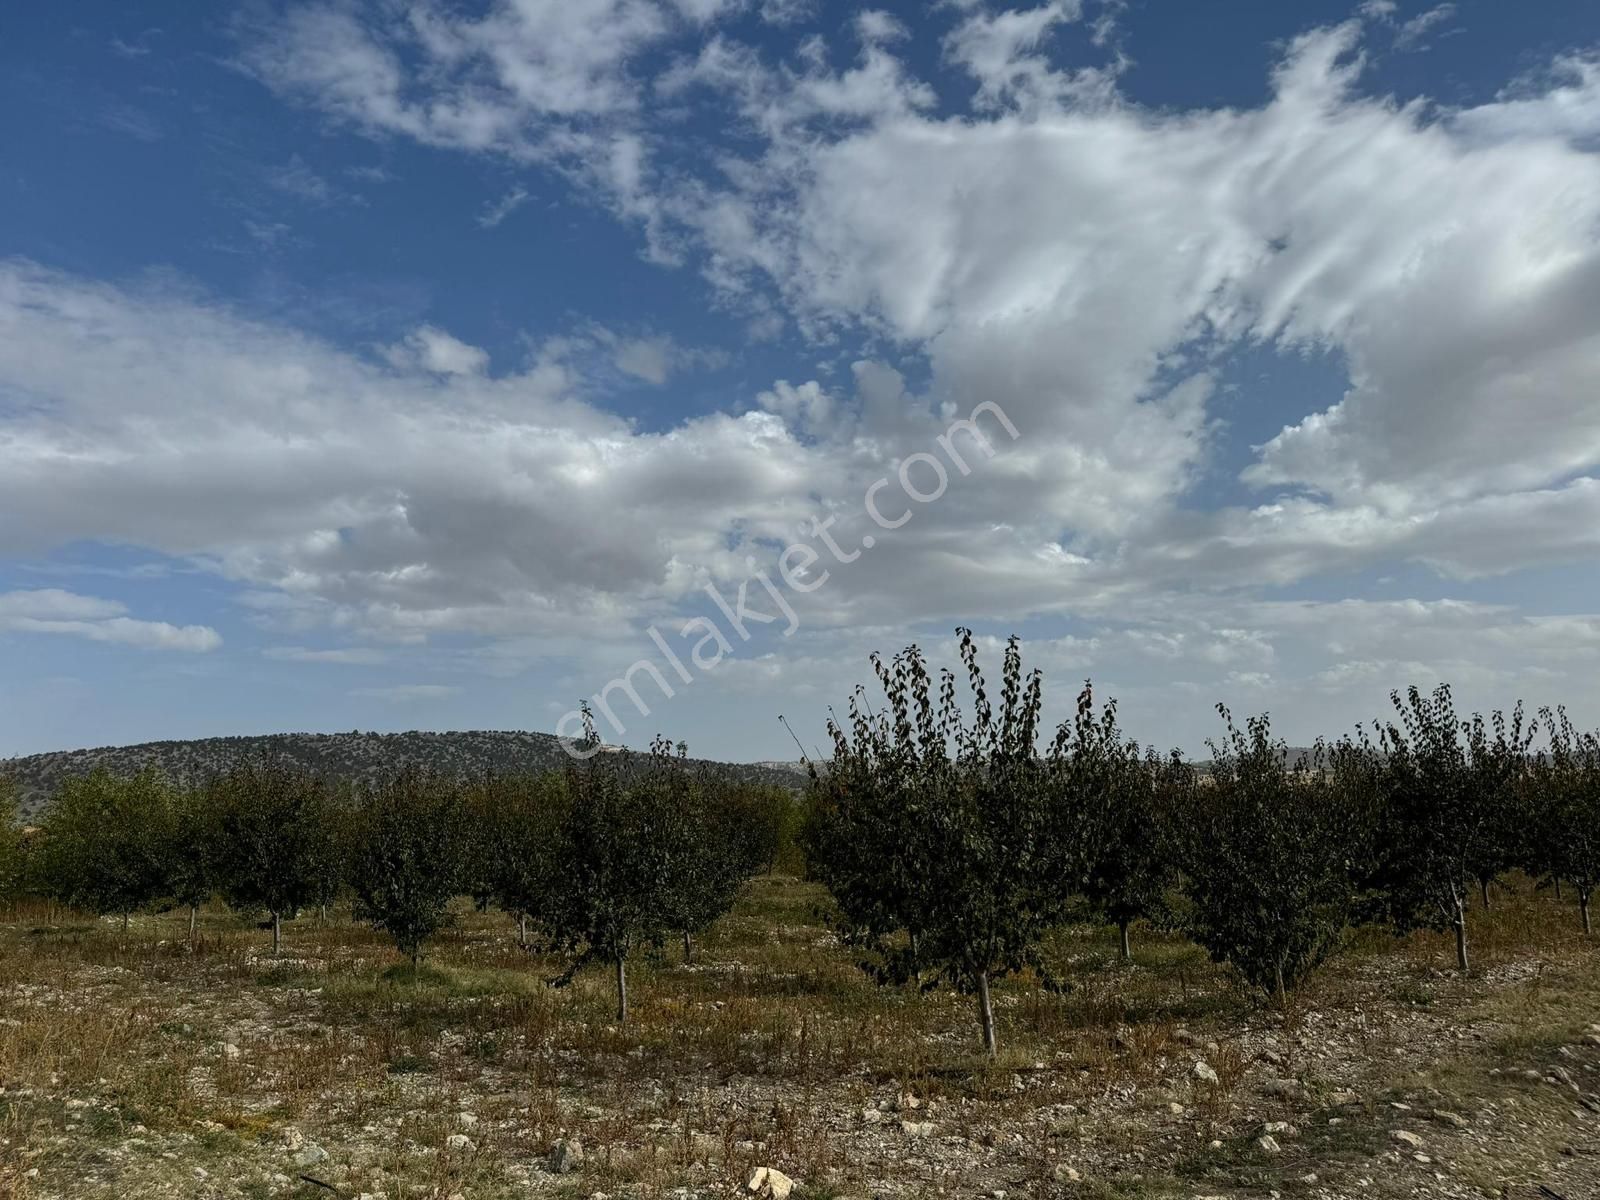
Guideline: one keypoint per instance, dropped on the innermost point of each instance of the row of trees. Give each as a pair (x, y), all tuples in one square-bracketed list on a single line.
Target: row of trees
[(600, 860), (954, 843)]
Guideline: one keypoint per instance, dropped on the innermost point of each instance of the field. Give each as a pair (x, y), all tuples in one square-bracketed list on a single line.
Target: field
[(135, 1065)]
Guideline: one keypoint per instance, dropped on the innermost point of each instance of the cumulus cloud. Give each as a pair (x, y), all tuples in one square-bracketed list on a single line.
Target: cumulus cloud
[(50, 610)]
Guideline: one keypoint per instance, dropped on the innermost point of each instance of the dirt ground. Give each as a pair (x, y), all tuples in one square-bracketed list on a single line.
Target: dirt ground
[(136, 1065)]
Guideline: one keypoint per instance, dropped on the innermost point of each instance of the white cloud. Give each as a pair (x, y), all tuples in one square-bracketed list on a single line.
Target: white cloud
[(499, 210), (430, 349), (508, 79), (876, 25), (1086, 263), (1563, 102), (296, 178), (52, 611), (1002, 51), (1412, 33), (652, 357), (649, 359)]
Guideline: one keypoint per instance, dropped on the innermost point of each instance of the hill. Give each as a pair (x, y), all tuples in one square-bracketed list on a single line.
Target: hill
[(333, 756)]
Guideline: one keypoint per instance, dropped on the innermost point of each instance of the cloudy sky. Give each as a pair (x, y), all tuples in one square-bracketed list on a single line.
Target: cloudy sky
[(402, 365)]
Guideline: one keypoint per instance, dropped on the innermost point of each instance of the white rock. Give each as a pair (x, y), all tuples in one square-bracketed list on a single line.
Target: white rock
[(770, 1182), (466, 1120), (916, 1129), (1066, 1174), (1268, 1144), (310, 1155), (1406, 1138), (231, 1052), (460, 1143), (1205, 1074), (566, 1156)]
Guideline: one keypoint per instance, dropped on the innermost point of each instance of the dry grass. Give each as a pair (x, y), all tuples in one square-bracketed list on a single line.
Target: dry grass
[(132, 1062)]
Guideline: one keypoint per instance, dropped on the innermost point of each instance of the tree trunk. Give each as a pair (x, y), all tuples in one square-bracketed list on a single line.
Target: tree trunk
[(1583, 908), (1461, 937), (277, 933), (1127, 948), (1483, 888), (688, 946), (622, 990), (522, 930), (986, 1014), (1282, 992), (1558, 887), (124, 922), (194, 919)]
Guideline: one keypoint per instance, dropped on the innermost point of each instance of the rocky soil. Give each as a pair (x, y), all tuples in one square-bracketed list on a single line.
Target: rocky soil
[(137, 1066)]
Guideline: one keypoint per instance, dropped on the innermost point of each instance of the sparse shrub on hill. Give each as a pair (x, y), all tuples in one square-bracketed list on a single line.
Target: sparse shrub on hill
[(275, 838), (1268, 855), (408, 856)]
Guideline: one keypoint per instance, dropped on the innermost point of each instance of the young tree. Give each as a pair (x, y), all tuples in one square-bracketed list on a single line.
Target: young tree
[(408, 843), (1499, 761), (1565, 785), (515, 822), (720, 844), (949, 847), (104, 847), (1443, 781), (763, 821), (1266, 856), (273, 838), (1123, 797), (12, 865), (625, 865), (189, 845)]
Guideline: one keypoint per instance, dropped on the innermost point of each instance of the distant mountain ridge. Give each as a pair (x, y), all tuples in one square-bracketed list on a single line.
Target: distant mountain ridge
[(333, 756)]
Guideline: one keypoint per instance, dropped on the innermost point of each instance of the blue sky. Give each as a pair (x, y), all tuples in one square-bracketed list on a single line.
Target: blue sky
[(402, 365)]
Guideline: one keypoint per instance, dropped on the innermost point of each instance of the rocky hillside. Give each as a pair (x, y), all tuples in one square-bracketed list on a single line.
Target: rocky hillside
[(334, 756)]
